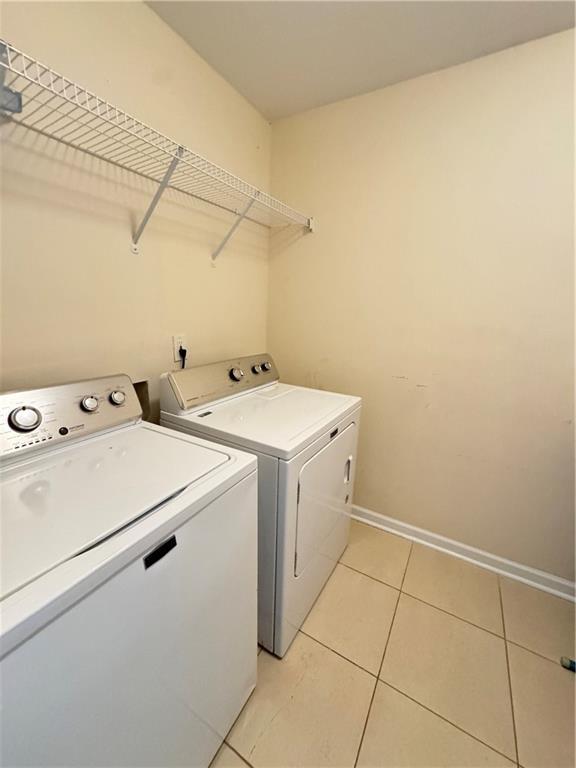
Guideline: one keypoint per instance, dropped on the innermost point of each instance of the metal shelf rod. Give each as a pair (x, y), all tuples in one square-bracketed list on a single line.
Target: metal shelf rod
[(156, 199), (233, 229)]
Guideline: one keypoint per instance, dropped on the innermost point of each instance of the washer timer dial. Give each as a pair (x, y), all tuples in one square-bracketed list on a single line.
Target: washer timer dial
[(25, 419)]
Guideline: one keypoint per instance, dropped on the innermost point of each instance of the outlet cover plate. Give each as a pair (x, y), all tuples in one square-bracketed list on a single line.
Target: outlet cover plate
[(178, 340)]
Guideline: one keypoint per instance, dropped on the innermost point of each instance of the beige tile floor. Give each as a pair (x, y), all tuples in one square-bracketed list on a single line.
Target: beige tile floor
[(411, 657)]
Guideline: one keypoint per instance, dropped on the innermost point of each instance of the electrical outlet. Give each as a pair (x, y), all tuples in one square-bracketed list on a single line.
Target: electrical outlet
[(179, 340)]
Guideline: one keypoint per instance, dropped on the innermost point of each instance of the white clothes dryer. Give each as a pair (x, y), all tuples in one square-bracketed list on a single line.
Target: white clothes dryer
[(306, 442)]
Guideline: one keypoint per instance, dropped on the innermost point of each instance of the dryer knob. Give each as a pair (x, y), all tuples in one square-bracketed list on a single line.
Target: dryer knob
[(24, 419), (266, 366), (256, 369), (117, 397), (89, 403), (236, 374)]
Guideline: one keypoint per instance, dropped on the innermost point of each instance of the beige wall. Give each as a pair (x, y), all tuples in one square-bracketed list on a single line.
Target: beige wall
[(76, 302), (439, 287)]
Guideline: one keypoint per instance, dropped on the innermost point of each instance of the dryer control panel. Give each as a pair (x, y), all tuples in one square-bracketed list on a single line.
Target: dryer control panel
[(191, 387), (35, 419)]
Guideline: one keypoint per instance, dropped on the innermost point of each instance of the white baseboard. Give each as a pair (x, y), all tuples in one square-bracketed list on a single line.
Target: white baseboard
[(532, 576)]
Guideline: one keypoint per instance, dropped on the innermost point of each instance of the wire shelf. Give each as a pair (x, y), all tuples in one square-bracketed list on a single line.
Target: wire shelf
[(56, 107)]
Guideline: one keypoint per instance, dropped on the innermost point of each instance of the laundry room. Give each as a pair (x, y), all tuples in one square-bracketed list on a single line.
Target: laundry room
[(287, 383)]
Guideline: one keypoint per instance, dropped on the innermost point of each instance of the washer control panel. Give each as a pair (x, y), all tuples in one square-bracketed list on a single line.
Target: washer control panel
[(204, 383), (35, 419)]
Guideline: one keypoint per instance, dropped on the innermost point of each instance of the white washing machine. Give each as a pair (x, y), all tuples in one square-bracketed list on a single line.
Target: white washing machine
[(305, 441), (128, 576)]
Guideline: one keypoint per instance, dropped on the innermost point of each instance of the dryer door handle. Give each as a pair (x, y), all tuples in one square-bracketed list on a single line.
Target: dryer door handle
[(348, 469)]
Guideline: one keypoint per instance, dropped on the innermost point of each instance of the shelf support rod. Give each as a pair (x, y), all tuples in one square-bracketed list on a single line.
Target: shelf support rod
[(156, 199), (233, 228)]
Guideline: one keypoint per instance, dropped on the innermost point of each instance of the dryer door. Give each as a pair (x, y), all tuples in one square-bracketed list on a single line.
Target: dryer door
[(324, 499)]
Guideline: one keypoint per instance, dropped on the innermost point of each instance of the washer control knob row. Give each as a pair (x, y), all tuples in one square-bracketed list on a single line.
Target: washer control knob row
[(236, 374), (25, 419), (117, 397), (266, 366), (89, 403)]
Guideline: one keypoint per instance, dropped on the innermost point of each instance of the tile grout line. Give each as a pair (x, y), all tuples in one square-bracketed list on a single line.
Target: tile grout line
[(396, 608), (448, 613), (238, 754), (377, 676), (454, 615), (460, 618), (406, 695), (445, 719), (366, 722), (430, 605), (341, 655), (530, 650), (509, 674), (382, 660), (401, 592), (369, 576)]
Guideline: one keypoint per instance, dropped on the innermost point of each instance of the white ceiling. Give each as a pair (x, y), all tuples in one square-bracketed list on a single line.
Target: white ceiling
[(286, 57)]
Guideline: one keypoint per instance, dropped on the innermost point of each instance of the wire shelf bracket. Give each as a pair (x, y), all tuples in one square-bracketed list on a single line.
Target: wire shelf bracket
[(233, 228), (39, 99), (156, 199)]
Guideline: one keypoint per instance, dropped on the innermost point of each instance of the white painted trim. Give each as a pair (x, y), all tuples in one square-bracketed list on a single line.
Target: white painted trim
[(532, 576)]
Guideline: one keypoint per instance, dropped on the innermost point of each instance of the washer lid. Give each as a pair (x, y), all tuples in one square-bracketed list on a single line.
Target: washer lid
[(280, 419), (56, 506)]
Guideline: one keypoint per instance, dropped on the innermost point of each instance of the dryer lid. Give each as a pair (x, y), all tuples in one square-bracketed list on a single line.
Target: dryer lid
[(280, 419), (69, 500)]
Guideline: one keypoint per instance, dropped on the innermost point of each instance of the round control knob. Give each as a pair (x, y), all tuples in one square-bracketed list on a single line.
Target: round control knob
[(89, 403), (256, 369), (236, 374), (266, 366), (117, 397), (24, 419)]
